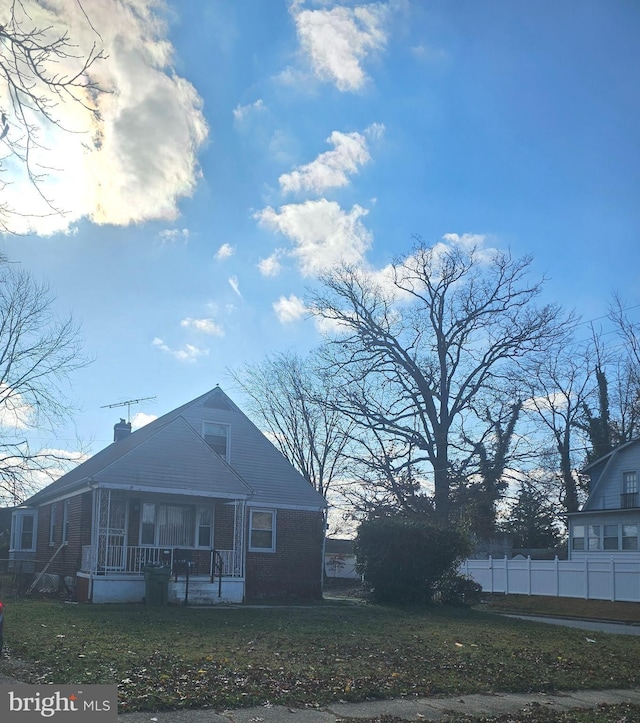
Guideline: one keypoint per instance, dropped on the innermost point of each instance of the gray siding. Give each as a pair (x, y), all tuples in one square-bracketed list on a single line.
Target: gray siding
[(268, 473), (606, 492), (175, 458)]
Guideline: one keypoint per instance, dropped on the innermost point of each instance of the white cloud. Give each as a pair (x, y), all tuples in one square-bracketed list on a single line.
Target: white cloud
[(15, 412), (225, 251), (339, 40), (233, 283), (271, 265), (322, 232), (140, 419), (289, 309), (206, 326), (188, 353), (134, 159), (547, 403), (174, 236), (241, 112), (332, 169)]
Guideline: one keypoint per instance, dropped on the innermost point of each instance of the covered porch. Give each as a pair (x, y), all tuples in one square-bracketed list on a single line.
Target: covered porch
[(199, 539)]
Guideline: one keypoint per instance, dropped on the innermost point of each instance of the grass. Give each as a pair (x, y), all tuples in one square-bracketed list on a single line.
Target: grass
[(176, 657)]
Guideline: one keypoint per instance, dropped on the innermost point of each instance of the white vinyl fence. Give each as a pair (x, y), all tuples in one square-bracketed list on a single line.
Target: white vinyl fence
[(605, 579)]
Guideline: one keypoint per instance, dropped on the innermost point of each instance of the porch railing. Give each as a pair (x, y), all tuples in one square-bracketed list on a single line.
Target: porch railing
[(135, 558)]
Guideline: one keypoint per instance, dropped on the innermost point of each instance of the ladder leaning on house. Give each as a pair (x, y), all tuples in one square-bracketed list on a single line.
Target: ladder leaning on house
[(41, 574)]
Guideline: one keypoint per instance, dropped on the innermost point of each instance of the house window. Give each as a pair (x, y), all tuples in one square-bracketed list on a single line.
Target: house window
[(204, 527), (629, 489), (630, 481), (23, 535), (610, 537), (52, 525), (217, 437), (262, 536), (148, 524), (167, 525), (629, 537), (175, 526), (578, 537), (65, 520), (593, 537)]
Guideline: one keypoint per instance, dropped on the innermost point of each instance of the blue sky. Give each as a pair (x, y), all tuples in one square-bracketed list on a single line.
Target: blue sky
[(247, 145)]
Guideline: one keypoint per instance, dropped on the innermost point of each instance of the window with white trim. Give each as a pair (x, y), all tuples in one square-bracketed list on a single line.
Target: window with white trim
[(52, 525), (217, 437), (630, 482), (593, 537), (23, 531), (65, 520), (170, 525), (204, 527), (262, 531), (148, 524), (577, 537), (610, 537), (629, 537)]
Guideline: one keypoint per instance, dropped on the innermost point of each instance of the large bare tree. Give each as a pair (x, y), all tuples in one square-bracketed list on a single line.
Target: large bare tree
[(40, 68), (412, 351), (38, 351)]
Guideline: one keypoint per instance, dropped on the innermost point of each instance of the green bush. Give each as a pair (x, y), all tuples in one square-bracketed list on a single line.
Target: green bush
[(455, 589), (403, 558)]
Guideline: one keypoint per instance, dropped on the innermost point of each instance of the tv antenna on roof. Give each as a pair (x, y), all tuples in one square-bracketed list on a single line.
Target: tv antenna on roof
[(127, 404)]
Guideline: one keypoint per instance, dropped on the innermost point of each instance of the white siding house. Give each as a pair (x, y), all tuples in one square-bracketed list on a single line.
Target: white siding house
[(609, 522)]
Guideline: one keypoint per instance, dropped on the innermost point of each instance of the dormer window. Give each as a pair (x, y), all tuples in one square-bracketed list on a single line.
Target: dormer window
[(217, 437)]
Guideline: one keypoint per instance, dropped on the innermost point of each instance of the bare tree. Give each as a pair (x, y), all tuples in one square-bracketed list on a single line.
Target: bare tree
[(288, 396), (37, 353), (447, 324), (561, 385), (482, 478), (39, 69)]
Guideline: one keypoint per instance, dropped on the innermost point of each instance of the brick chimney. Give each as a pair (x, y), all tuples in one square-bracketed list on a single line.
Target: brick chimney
[(121, 430)]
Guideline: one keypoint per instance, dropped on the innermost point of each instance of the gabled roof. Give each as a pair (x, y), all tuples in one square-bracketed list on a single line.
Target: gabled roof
[(170, 454), (599, 468), (607, 456)]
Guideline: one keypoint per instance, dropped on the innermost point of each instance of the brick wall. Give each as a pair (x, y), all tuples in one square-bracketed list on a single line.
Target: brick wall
[(294, 569), (68, 560)]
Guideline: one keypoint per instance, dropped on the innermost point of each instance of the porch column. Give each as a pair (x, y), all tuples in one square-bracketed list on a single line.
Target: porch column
[(238, 537)]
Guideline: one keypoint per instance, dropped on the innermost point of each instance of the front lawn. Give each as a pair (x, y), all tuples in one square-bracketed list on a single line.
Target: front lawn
[(226, 658)]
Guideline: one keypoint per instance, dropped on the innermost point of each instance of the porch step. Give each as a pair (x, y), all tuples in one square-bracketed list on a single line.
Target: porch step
[(204, 592)]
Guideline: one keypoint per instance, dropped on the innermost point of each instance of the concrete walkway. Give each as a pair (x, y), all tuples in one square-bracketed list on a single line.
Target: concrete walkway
[(596, 626), (418, 709)]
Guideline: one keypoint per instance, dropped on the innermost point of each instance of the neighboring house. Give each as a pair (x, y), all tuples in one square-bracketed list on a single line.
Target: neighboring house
[(200, 490), (340, 559), (609, 522)]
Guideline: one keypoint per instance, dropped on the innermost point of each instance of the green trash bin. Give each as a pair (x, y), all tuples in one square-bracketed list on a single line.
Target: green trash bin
[(156, 584)]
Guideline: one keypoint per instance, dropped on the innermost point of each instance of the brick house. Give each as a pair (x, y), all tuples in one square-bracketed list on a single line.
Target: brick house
[(199, 490)]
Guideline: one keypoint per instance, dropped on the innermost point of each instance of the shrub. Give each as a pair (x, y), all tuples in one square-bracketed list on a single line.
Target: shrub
[(455, 589), (402, 558)]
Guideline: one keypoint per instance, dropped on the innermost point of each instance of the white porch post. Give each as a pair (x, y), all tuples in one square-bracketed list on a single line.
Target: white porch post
[(238, 537)]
